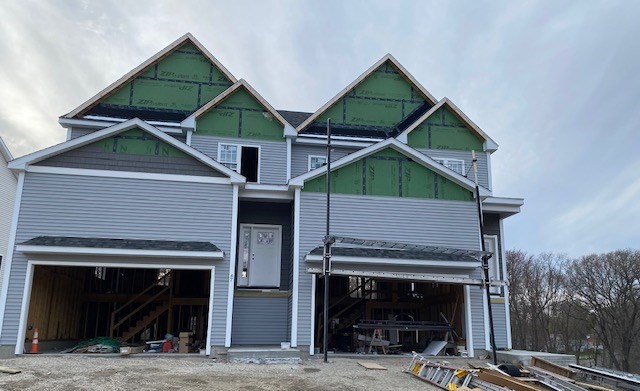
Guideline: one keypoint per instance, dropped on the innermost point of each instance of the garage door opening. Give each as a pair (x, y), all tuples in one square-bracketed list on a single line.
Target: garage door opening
[(366, 314), (132, 305)]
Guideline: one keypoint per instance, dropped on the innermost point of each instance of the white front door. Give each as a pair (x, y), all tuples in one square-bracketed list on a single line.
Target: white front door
[(259, 263)]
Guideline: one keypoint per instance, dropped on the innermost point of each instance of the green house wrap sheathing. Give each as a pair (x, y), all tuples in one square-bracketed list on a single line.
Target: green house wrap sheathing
[(383, 99), (180, 82), (240, 115), (138, 142), (444, 130), (390, 173)]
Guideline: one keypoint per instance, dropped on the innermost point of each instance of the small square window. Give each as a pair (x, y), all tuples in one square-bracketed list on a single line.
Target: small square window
[(316, 161), (456, 165)]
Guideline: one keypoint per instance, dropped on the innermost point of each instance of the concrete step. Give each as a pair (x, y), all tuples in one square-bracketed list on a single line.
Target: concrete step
[(263, 355)]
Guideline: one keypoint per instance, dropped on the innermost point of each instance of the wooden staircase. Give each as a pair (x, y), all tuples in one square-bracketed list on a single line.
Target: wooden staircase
[(145, 321), (146, 313)]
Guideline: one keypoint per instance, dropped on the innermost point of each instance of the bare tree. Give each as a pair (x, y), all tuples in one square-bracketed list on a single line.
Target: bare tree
[(608, 286)]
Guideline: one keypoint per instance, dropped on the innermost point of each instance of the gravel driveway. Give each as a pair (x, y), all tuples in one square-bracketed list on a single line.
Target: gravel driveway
[(84, 372)]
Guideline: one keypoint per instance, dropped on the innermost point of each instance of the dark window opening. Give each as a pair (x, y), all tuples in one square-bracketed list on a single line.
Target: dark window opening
[(249, 163)]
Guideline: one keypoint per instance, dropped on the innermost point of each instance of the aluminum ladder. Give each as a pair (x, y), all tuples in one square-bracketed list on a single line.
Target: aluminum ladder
[(442, 376)]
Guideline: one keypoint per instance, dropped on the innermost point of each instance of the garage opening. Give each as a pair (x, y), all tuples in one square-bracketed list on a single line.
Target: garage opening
[(69, 305), (380, 315)]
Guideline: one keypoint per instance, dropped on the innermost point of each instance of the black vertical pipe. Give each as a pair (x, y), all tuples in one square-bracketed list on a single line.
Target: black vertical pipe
[(485, 264), (327, 248)]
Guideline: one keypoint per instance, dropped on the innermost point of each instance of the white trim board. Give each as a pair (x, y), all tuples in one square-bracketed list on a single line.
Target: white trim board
[(429, 277), (232, 267), (489, 144), (388, 57), (127, 175), (469, 321), (296, 269), (10, 250), (400, 147), (28, 285), (140, 69), (31, 249), (5, 152), (396, 261), (22, 162)]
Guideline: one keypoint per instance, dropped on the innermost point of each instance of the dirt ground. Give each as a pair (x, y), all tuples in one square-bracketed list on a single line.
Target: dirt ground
[(197, 373)]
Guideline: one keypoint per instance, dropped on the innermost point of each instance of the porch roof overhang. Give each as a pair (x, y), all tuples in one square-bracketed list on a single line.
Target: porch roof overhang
[(400, 261), (120, 247)]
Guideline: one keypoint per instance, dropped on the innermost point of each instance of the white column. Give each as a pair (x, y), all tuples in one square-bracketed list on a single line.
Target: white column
[(296, 268), (232, 266)]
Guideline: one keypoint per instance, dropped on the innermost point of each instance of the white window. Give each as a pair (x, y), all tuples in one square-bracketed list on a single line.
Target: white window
[(456, 165), (495, 274), (316, 161), (244, 159)]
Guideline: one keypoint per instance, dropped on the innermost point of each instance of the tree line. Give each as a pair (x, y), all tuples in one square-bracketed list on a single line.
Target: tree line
[(588, 306)]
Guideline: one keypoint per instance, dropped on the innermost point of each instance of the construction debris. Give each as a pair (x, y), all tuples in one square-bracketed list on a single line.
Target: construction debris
[(539, 376), (10, 371), (442, 376), (372, 365), (608, 377), (96, 345)]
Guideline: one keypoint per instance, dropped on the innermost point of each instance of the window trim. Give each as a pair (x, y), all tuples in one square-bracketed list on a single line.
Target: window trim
[(239, 156), (495, 264), (315, 156), (444, 161)]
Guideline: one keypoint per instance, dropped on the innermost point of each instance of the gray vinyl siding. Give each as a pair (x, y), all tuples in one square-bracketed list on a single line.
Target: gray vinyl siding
[(122, 208), (77, 132), (500, 324), (420, 221), (260, 320), (300, 156), (93, 157), (476, 298), (492, 227), (273, 155), (483, 170)]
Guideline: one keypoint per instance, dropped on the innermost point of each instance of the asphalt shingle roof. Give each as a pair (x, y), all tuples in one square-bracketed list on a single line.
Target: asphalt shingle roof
[(295, 118), (130, 244)]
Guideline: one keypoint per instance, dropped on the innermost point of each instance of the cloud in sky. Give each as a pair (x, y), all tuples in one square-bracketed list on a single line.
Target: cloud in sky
[(554, 83)]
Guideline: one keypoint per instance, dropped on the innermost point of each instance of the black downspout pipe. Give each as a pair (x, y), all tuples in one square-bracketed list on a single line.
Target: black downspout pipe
[(327, 250), (485, 263)]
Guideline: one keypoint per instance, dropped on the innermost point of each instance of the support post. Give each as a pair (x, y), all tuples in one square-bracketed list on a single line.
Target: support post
[(485, 261), (327, 250)]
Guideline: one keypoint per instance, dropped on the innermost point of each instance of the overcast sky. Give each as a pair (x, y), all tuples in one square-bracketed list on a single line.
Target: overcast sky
[(556, 84)]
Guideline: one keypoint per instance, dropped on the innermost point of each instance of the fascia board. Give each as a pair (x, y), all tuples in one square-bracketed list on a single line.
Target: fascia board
[(5, 152), (396, 261), (30, 249)]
